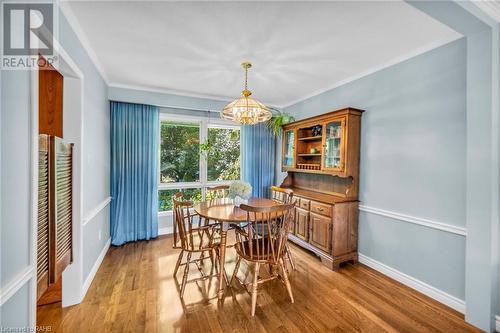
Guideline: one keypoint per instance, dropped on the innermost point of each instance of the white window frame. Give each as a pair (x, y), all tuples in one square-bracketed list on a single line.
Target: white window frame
[(205, 123)]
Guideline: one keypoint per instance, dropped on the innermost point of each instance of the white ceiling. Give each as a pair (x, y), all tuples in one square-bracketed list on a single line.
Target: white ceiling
[(298, 49)]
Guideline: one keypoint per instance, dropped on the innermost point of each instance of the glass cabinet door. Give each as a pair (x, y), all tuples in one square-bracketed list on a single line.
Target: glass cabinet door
[(288, 149), (333, 150)]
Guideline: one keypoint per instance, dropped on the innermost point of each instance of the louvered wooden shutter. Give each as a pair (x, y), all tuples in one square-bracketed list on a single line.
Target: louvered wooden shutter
[(43, 215), (61, 206)]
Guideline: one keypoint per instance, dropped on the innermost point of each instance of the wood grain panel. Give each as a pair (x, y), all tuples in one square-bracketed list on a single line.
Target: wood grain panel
[(50, 102), (345, 229), (320, 234), (301, 223), (321, 183), (321, 208)]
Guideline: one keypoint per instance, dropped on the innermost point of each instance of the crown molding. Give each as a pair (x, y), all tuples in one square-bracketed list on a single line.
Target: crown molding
[(453, 37), (168, 91), (490, 7), (179, 93), (82, 37)]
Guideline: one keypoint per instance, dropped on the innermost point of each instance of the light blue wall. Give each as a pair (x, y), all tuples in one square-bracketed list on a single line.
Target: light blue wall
[(15, 312), (412, 161), (15, 171), (15, 191), (96, 146)]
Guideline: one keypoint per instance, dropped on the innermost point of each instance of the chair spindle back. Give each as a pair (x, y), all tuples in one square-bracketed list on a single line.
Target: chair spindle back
[(266, 233)]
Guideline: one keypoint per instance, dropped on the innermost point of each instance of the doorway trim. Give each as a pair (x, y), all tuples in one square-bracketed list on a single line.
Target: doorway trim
[(72, 120)]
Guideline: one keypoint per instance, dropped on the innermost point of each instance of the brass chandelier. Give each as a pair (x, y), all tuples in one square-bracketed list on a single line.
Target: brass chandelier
[(246, 110)]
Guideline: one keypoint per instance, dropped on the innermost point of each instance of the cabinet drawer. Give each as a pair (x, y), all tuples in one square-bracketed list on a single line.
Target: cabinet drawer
[(321, 208), (304, 203)]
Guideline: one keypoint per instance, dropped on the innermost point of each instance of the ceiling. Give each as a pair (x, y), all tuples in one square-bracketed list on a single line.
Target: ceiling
[(298, 49)]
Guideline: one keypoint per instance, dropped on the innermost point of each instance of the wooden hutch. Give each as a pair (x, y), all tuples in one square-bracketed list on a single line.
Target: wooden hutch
[(321, 157)]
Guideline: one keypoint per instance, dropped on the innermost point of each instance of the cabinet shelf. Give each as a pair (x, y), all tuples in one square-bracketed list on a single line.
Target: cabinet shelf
[(309, 155), (310, 138)]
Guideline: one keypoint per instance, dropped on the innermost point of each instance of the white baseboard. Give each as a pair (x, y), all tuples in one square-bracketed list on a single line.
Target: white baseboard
[(426, 289), (165, 231), (497, 323), (95, 268)]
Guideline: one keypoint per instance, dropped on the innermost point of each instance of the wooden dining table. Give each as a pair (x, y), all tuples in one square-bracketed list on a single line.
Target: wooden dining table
[(224, 212)]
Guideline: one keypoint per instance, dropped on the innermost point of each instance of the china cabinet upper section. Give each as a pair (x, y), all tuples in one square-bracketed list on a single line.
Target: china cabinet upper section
[(325, 144)]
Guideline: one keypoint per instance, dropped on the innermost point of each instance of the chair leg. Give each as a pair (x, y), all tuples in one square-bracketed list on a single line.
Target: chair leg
[(175, 233), (254, 287), (287, 282), (290, 258), (235, 272), (184, 277), (215, 260), (178, 262), (217, 253)]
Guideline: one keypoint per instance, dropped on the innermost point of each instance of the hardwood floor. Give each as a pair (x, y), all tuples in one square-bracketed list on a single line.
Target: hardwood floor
[(134, 291)]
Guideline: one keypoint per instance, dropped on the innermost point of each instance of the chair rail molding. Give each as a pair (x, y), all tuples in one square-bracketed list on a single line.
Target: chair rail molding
[(17, 283), (96, 210), (426, 289), (415, 220)]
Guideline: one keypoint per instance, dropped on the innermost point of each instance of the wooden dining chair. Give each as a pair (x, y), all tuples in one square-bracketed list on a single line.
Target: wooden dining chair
[(285, 196), (179, 197), (194, 239), (264, 248), (218, 194)]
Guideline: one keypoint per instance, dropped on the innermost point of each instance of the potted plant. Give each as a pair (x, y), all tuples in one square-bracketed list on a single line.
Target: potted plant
[(277, 121), (240, 192)]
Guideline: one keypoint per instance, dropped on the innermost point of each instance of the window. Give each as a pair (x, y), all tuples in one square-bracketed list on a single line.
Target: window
[(184, 166), (165, 197), (179, 152), (223, 158)]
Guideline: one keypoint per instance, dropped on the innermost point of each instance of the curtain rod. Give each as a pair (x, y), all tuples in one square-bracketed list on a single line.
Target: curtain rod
[(167, 106), (187, 108)]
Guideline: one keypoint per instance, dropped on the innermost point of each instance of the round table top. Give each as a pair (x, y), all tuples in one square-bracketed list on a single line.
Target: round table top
[(227, 212)]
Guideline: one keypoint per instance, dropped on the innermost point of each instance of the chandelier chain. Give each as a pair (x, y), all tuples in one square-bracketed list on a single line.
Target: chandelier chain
[(246, 78)]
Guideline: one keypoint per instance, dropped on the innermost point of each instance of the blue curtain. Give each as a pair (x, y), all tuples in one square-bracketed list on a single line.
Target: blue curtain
[(134, 172), (258, 158)]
